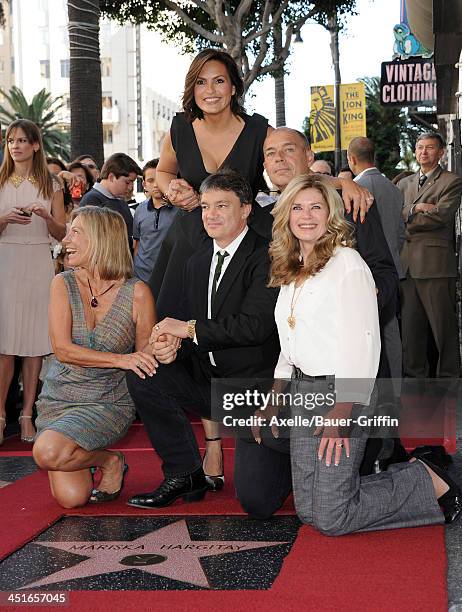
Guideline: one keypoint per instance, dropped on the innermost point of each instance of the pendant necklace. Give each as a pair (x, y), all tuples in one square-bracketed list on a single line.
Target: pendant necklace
[(291, 320), (94, 301)]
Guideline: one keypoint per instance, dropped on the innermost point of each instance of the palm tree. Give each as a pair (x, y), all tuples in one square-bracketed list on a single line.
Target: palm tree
[(42, 111), (85, 79)]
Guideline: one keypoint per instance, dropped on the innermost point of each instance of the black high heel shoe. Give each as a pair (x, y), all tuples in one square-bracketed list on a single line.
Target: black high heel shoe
[(98, 496), (451, 501), (214, 483)]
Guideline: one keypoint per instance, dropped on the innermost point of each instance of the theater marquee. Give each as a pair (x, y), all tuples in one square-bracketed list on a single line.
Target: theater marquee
[(410, 82)]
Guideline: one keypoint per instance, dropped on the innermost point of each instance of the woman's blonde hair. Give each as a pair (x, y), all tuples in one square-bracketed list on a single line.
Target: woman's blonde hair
[(39, 163), (287, 263), (108, 242)]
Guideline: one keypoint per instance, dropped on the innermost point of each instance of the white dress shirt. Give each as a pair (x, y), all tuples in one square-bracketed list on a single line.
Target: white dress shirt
[(358, 176), (231, 250), (337, 326)]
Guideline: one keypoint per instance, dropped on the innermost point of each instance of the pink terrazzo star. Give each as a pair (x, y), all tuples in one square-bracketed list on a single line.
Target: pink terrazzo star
[(167, 552)]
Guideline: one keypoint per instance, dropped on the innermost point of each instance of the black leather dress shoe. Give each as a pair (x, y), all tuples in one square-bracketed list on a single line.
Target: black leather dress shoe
[(191, 488), (451, 501)]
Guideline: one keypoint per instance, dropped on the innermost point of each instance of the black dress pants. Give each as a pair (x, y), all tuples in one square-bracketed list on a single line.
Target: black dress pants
[(162, 401), (262, 474)]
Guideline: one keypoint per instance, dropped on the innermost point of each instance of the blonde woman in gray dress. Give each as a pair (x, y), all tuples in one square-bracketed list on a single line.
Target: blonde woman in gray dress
[(100, 322), (31, 210)]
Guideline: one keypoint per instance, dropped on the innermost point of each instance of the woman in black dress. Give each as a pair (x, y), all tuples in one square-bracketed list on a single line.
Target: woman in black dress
[(212, 132)]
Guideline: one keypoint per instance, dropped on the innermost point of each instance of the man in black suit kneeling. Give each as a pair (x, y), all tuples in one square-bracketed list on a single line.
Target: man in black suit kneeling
[(228, 331)]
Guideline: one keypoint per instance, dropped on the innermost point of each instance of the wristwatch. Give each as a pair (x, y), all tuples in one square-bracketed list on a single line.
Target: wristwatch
[(191, 328)]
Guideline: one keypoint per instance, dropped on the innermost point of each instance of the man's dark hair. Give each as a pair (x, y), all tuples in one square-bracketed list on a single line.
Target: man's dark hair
[(82, 157), (228, 179), (434, 136), (152, 163), (56, 161), (345, 169), (119, 164)]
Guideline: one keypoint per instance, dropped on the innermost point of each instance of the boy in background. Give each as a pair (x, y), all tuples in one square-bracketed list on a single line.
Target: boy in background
[(152, 219)]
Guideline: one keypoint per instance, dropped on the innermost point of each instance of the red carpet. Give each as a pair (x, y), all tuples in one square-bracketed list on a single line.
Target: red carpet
[(391, 570), (135, 440)]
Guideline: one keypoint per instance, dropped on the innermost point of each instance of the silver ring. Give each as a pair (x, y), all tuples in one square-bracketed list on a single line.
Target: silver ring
[(339, 444), (156, 327), (138, 365)]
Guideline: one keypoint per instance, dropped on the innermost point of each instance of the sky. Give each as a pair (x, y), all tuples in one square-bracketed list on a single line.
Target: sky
[(366, 42)]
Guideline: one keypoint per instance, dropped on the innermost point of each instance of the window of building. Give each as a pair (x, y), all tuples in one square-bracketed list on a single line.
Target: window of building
[(107, 134), (2, 65), (65, 68), (106, 66), (45, 69)]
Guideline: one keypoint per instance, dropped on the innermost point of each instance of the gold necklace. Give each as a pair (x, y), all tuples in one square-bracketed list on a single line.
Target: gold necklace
[(17, 179), (291, 320)]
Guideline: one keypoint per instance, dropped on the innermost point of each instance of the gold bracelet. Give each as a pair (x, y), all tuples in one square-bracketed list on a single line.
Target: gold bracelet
[(191, 328)]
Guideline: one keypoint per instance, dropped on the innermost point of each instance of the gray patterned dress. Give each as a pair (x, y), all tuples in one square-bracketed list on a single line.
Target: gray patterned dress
[(91, 406)]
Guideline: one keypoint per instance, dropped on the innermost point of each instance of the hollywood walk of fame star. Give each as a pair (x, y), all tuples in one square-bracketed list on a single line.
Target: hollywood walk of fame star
[(167, 552)]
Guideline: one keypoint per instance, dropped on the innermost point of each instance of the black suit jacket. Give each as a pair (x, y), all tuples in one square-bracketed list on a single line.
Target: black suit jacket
[(373, 248), (242, 332), (185, 237)]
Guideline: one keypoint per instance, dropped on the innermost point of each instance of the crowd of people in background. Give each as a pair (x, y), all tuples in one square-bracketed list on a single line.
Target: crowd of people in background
[(246, 259)]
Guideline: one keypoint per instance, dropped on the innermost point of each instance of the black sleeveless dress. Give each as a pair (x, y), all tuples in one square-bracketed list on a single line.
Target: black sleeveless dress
[(186, 235), (246, 156)]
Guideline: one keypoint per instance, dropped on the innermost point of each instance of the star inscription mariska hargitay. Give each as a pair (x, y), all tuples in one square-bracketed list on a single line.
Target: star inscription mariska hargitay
[(167, 552)]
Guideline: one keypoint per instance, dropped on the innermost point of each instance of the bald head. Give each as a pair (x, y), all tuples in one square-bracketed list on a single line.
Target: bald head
[(361, 154), (287, 154), (321, 166)]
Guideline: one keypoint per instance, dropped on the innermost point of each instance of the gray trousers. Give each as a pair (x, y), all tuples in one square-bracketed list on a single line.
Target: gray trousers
[(393, 348), (337, 501)]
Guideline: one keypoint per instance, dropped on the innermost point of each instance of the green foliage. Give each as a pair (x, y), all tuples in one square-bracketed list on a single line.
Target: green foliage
[(193, 25), (384, 126), (41, 110)]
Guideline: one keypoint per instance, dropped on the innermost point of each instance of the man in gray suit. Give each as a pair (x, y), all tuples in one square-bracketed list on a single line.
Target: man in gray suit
[(432, 197), (389, 201)]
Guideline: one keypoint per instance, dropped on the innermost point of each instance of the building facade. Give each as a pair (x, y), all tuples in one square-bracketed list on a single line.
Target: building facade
[(136, 111)]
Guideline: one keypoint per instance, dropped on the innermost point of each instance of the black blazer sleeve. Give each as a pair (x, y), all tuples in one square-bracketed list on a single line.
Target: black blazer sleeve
[(373, 248)]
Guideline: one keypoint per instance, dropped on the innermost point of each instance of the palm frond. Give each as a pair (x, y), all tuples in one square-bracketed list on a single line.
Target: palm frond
[(42, 110)]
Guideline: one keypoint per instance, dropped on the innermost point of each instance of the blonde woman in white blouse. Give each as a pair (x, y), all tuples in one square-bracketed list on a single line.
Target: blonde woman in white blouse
[(328, 325)]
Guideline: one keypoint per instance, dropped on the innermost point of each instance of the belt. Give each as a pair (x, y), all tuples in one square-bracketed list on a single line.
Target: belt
[(297, 373)]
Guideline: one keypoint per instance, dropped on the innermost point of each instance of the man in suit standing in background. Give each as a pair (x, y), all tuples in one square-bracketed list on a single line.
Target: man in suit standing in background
[(389, 201), (228, 331), (432, 197)]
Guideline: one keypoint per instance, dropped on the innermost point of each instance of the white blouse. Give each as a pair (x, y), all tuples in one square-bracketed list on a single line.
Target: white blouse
[(337, 325)]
